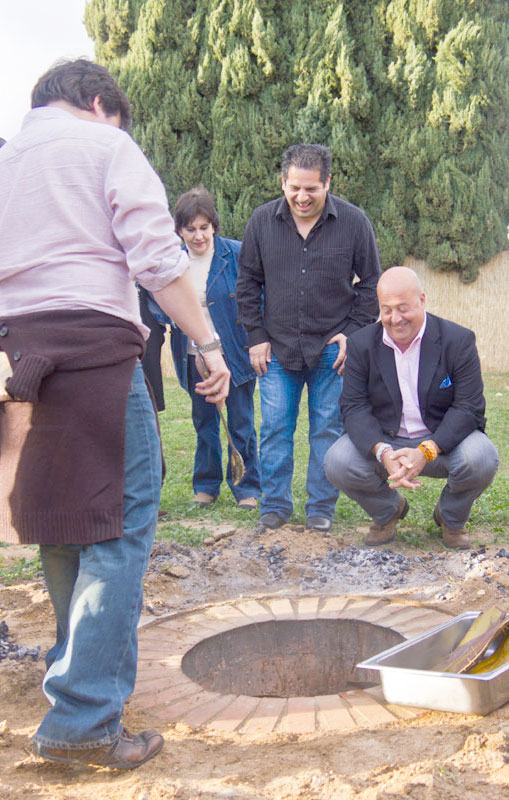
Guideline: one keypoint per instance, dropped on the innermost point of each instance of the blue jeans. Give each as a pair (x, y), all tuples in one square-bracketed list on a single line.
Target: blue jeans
[(97, 595), (280, 393), (208, 469)]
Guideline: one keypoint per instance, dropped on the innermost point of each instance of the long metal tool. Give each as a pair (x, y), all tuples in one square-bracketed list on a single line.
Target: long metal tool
[(236, 461)]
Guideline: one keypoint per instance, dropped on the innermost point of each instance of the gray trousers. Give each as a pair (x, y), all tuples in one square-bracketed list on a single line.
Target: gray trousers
[(469, 470)]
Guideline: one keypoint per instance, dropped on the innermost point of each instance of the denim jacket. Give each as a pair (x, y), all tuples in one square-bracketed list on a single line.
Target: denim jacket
[(222, 305)]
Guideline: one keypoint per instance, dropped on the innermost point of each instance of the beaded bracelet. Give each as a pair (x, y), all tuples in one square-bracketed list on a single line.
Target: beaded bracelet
[(429, 449)]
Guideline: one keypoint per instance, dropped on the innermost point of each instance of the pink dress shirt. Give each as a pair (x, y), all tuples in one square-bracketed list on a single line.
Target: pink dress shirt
[(82, 217), (407, 366)]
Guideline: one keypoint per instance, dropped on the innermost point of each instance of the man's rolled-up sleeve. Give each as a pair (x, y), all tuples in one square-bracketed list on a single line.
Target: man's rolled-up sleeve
[(141, 220)]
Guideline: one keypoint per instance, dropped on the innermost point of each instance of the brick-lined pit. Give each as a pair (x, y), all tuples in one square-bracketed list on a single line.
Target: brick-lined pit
[(274, 664)]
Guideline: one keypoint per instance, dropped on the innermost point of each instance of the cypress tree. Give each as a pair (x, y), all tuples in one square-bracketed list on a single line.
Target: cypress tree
[(411, 96), (444, 135)]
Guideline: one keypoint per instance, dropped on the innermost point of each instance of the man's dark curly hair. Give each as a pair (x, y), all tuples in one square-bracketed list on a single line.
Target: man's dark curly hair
[(78, 82), (307, 156)]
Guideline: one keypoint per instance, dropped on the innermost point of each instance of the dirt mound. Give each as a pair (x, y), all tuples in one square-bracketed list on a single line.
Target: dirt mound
[(435, 755)]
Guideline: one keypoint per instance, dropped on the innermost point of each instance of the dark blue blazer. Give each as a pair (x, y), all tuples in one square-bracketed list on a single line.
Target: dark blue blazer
[(450, 386)]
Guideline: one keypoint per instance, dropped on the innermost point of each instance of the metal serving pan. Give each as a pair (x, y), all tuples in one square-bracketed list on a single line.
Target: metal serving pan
[(407, 677)]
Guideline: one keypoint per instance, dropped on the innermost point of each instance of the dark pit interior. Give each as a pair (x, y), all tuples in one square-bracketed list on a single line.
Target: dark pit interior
[(289, 658)]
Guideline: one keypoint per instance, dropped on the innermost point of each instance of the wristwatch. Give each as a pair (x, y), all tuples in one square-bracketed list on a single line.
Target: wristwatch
[(215, 344)]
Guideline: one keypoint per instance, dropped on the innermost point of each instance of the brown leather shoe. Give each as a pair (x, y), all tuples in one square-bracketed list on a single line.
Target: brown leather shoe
[(453, 539), (128, 752), (202, 499), (382, 534), (248, 502)]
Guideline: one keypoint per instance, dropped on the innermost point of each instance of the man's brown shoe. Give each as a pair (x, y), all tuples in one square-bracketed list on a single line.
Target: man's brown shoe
[(128, 752), (453, 539), (382, 534)]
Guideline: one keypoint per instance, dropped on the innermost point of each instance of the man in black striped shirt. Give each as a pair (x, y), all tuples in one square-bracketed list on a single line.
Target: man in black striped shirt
[(298, 302)]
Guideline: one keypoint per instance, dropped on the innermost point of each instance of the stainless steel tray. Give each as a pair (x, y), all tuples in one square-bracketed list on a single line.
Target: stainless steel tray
[(407, 677)]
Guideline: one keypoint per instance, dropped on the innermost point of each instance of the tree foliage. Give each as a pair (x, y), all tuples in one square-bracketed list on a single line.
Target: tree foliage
[(411, 96)]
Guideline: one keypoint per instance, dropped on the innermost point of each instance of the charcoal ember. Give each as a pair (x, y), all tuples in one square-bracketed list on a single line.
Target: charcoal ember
[(9, 649), (182, 549), (353, 562), (27, 652)]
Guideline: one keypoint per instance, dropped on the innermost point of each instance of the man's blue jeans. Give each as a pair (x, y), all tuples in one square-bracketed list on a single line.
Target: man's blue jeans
[(280, 393), (97, 595)]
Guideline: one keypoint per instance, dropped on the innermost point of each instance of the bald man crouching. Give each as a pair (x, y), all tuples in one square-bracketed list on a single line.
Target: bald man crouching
[(412, 405)]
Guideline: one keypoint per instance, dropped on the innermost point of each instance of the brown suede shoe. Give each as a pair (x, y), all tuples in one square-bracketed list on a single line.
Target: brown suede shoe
[(202, 499), (248, 502), (128, 752), (382, 534), (453, 539)]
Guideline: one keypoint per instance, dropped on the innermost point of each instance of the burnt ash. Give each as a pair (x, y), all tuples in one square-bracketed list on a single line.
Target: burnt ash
[(9, 649), (391, 568), (247, 563), (347, 569)]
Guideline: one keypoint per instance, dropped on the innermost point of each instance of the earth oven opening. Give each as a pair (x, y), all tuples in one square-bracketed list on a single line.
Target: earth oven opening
[(289, 658)]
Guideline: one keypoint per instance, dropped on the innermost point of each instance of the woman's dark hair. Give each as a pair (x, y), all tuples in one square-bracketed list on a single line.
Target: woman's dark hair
[(79, 82), (193, 203)]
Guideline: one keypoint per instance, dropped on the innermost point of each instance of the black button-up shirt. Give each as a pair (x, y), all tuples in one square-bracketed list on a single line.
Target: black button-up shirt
[(296, 293)]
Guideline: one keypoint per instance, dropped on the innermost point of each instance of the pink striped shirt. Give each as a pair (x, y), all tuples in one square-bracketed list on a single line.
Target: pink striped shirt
[(407, 366), (82, 217)]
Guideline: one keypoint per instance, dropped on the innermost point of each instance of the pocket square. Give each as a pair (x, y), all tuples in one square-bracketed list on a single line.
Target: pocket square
[(446, 382)]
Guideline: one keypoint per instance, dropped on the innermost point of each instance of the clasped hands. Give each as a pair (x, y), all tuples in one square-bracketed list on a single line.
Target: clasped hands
[(403, 467)]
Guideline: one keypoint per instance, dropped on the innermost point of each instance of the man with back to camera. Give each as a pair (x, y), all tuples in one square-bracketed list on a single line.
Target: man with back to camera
[(412, 405), (298, 302), (83, 216)]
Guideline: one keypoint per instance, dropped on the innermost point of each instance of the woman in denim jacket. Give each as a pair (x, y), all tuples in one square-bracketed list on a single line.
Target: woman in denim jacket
[(213, 265)]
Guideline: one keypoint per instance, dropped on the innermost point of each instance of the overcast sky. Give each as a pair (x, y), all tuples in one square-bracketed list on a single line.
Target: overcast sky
[(33, 35)]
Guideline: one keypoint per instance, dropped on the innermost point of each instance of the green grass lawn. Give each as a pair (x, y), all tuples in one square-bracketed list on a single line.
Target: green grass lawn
[(490, 512)]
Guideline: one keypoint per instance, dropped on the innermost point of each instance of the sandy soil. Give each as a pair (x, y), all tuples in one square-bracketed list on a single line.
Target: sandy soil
[(436, 755)]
